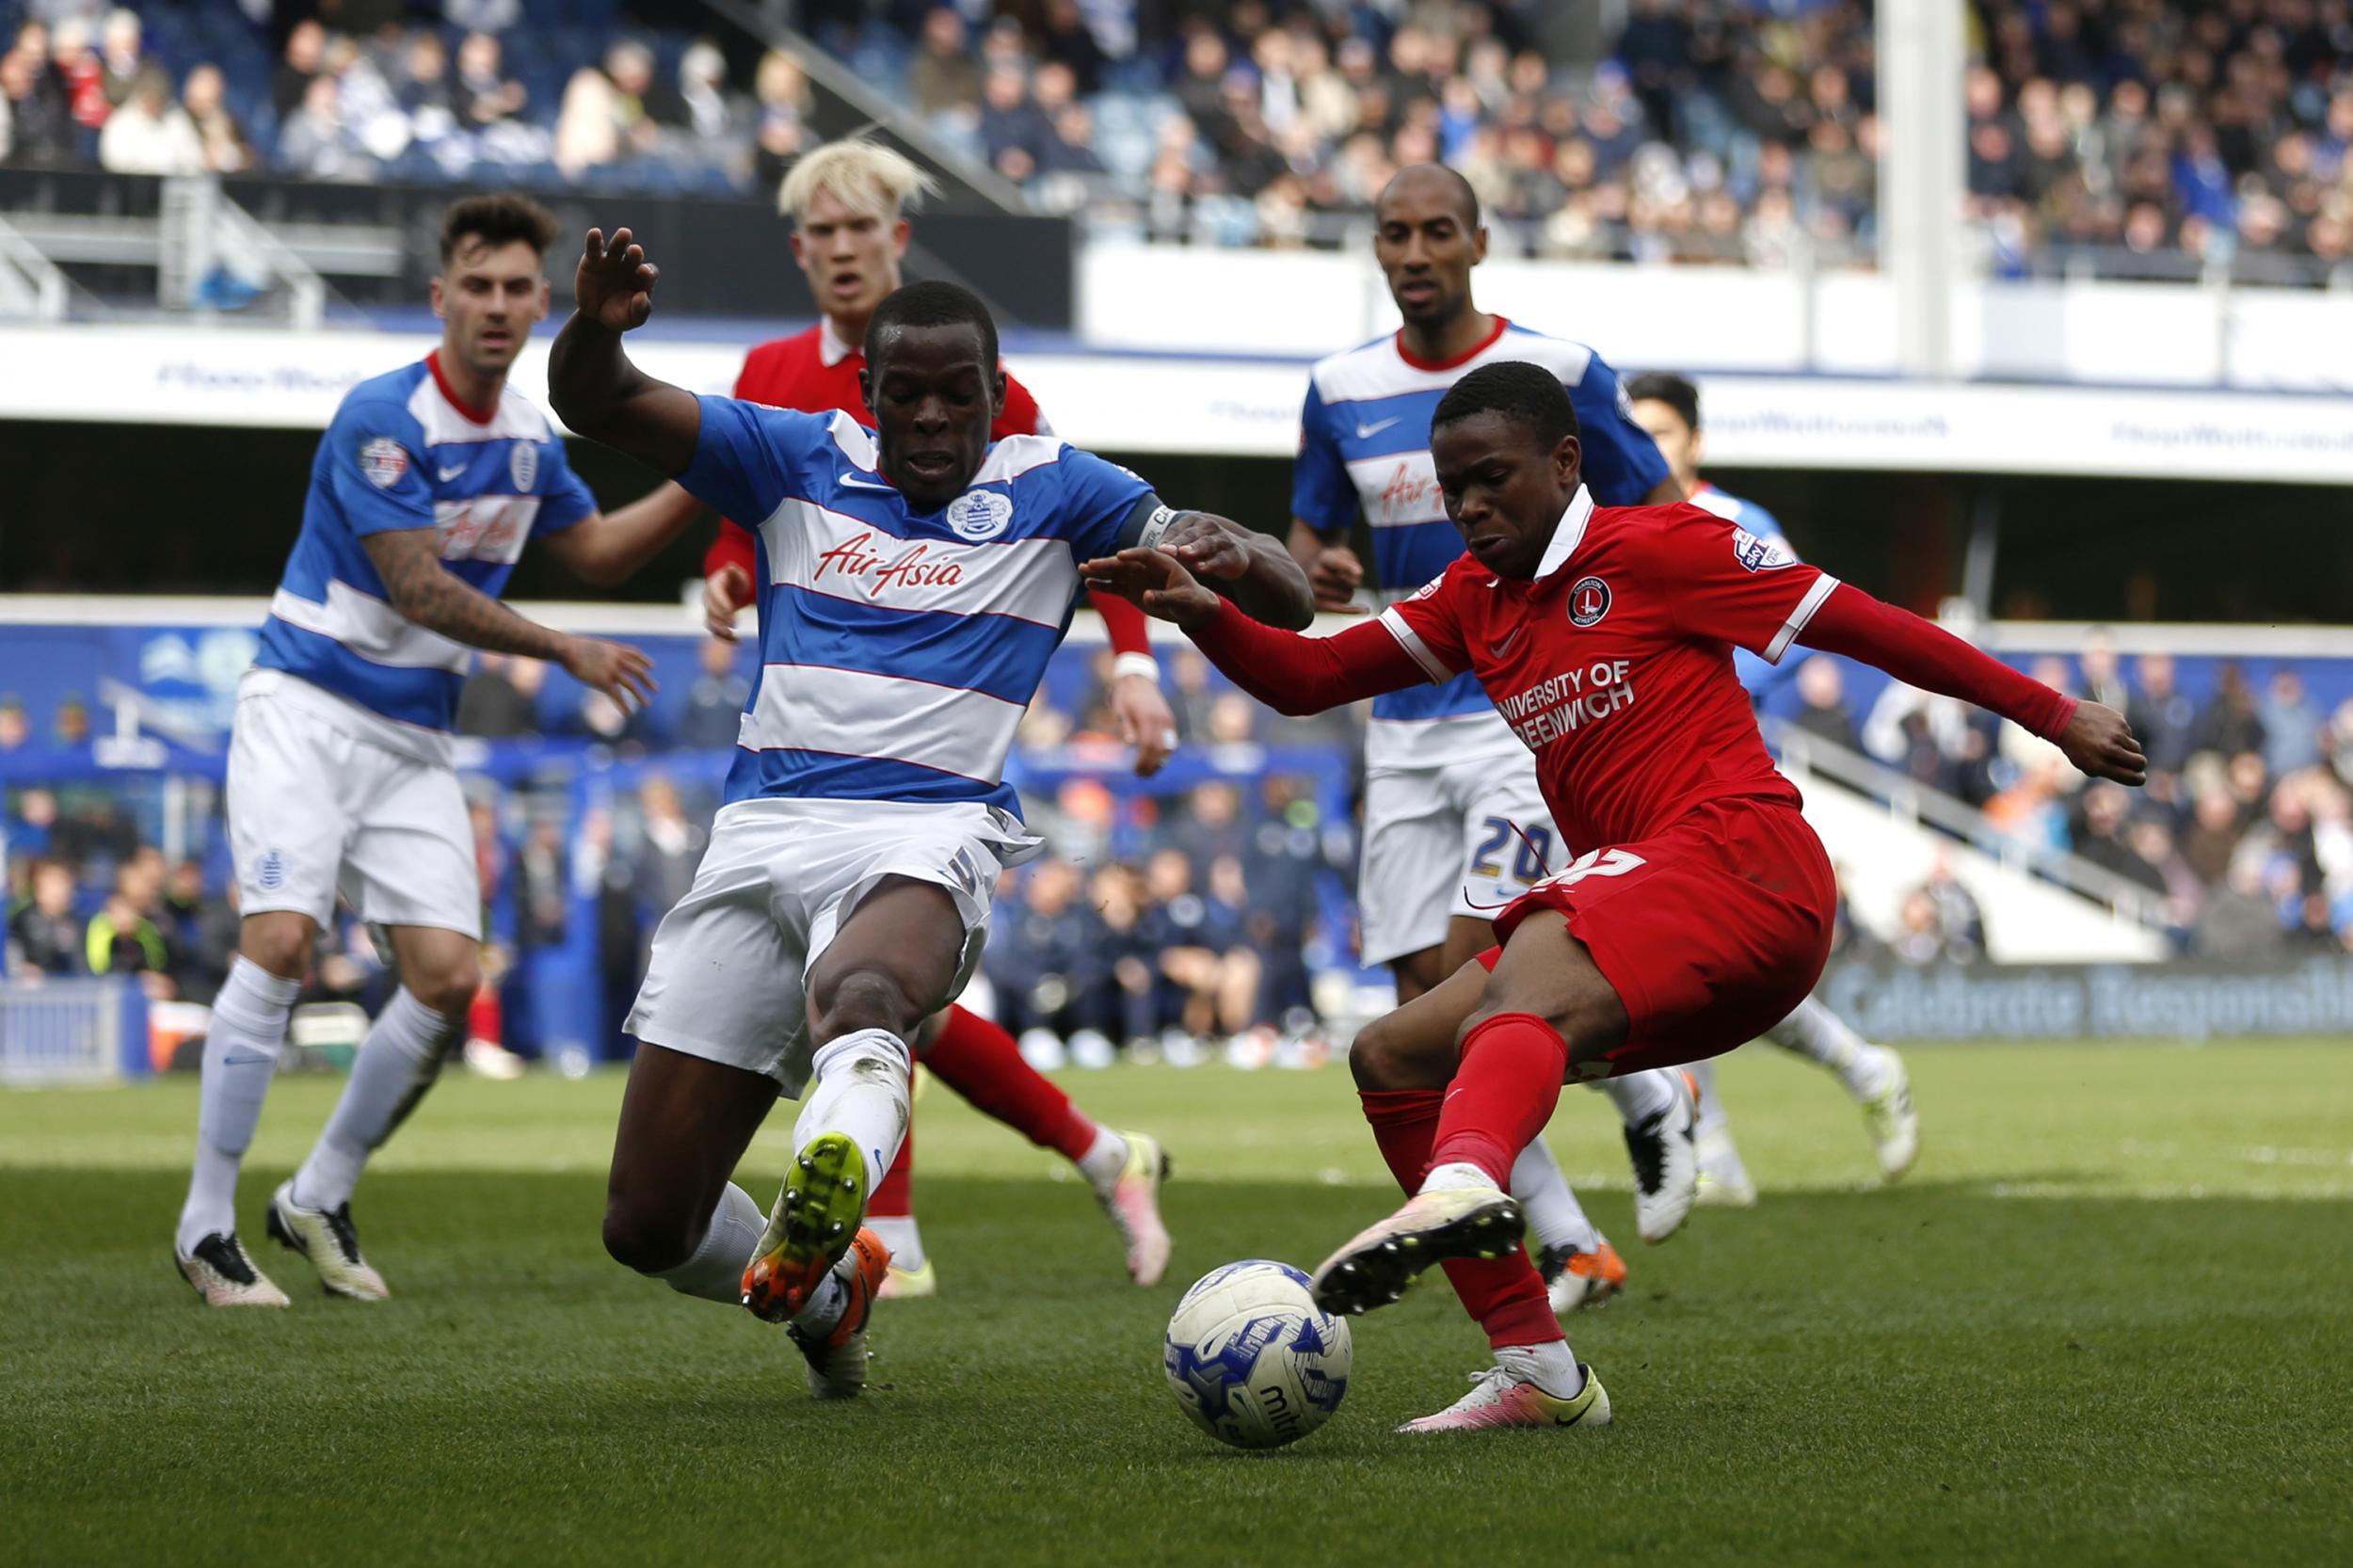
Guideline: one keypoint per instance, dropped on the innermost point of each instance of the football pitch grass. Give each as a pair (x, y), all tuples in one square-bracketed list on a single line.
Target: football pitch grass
[(2108, 1320)]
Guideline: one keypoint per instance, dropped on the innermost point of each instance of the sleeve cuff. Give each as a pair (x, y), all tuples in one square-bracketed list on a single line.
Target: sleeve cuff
[(1136, 663), (1824, 585)]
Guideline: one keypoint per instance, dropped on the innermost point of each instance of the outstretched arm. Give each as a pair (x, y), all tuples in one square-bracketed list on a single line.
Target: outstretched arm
[(605, 548), (429, 595), (591, 382), (1289, 673), (2095, 738)]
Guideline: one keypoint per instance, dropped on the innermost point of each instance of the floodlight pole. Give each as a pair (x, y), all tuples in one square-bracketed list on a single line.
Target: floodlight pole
[(1923, 158)]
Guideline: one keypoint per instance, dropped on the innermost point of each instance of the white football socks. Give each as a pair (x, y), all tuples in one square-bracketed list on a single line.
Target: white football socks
[(396, 1064), (1453, 1175), (1104, 1160), (1638, 1097), (249, 1026), (900, 1233), (1555, 1219), (1551, 1366), (1819, 1035), (715, 1270), (859, 1089)]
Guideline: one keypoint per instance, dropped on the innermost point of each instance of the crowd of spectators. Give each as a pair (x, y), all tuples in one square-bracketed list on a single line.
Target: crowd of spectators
[(469, 90), (2141, 137), (2244, 834), (1166, 918)]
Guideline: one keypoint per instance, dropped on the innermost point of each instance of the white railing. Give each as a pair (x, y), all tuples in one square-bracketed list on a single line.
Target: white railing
[(61, 1031)]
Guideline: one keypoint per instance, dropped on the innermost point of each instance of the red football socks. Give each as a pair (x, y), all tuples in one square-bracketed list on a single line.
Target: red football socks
[(1502, 1095), (978, 1060), (1505, 1294)]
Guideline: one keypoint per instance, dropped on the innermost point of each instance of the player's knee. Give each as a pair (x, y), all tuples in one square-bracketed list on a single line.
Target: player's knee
[(279, 945), (643, 1238), (862, 998), (1385, 1055), (449, 990)]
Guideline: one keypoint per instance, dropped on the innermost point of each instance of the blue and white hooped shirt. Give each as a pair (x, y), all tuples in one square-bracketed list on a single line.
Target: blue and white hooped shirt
[(1364, 444), (403, 452), (899, 649)]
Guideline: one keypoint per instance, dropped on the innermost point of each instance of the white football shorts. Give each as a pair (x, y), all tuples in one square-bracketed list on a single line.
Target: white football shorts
[(727, 978), (1448, 840), (315, 806)]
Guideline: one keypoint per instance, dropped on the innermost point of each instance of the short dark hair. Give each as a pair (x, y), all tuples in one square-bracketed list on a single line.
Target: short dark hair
[(1464, 189), (500, 218), (934, 303), (1517, 389), (1676, 392)]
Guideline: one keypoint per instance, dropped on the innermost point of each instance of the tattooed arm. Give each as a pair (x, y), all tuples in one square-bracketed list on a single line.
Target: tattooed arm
[(430, 596)]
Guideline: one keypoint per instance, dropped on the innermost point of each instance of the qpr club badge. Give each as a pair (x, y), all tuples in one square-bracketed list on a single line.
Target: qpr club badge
[(384, 460), (1589, 600), (522, 466), (978, 515)]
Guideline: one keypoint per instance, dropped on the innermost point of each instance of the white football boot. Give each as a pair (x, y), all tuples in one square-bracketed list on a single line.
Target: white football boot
[(224, 1275), (1665, 1164), (325, 1239)]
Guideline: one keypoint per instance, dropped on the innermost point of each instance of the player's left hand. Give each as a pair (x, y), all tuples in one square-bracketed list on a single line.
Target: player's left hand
[(2099, 741), (1207, 546), (1153, 582), (613, 286), (1145, 721)]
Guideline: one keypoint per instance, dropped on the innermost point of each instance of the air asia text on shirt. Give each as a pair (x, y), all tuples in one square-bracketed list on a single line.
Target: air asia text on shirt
[(1559, 704), (853, 558)]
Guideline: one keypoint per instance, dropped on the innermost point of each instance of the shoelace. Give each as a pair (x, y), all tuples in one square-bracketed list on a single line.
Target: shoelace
[(227, 1259)]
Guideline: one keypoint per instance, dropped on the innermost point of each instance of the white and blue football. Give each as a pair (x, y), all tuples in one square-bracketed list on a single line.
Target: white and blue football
[(1251, 1357)]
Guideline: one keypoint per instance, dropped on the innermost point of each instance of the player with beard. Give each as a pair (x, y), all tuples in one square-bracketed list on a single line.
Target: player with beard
[(1699, 912)]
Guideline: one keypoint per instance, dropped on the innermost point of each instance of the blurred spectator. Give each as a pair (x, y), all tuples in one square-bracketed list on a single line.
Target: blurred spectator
[(543, 896), (2238, 923), (314, 138), (481, 16), (2100, 837), (674, 847), (2291, 726), (15, 728), (944, 78), (1822, 695), (121, 59), (485, 95), (41, 128), (46, 937), (2229, 723), (123, 938), (305, 58), (225, 149), (704, 111), (605, 116), (500, 698), (2214, 835), (2163, 719), (598, 718), (714, 704), (150, 133), (82, 73), (780, 113)]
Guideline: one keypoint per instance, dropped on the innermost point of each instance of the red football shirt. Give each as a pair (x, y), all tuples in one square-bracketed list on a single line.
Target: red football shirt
[(1614, 664)]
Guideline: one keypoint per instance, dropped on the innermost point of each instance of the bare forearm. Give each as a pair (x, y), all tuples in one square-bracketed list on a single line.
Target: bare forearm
[(598, 390), (428, 596), (614, 544)]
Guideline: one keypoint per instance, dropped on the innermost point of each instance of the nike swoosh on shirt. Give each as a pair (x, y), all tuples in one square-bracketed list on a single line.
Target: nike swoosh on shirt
[(1503, 644), (865, 483), (1366, 432), (450, 473)]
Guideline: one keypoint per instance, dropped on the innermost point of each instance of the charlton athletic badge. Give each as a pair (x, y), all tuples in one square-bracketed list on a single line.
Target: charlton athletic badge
[(383, 460), (522, 466), (1589, 600)]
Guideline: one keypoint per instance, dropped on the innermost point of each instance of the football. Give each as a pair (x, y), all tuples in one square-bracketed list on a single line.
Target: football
[(1252, 1359)]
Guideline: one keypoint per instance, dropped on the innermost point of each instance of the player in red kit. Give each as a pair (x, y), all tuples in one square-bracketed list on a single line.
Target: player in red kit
[(847, 201), (1701, 912)]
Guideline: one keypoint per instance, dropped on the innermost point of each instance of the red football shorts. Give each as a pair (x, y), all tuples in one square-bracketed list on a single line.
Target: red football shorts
[(1710, 933)]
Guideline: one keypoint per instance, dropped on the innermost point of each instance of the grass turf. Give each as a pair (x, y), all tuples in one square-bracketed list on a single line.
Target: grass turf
[(2105, 1322)]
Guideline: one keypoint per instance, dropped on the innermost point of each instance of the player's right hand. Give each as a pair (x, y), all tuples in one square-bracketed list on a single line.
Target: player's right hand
[(613, 286), (2099, 741), (1335, 579), (620, 671), (1155, 583), (725, 592)]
